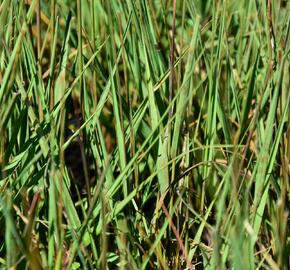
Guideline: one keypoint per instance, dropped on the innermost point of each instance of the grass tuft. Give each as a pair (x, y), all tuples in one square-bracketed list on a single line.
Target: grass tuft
[(144, 134)]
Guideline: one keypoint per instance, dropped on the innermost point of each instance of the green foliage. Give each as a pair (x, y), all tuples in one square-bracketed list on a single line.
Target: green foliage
[(129, 141)]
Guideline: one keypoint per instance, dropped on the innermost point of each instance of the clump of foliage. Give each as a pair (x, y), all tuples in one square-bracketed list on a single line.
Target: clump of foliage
[(144, 134)]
